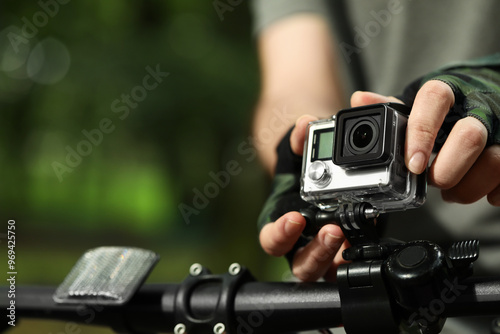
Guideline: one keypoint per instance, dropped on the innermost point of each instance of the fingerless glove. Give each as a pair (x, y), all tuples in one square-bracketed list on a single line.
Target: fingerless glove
[(476, 86)]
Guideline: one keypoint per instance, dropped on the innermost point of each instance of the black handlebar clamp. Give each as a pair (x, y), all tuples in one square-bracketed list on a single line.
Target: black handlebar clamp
[(220, 319)]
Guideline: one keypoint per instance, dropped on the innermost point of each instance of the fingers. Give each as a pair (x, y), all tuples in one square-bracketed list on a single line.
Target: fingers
[(432, 103), (316, 259), (360, 98), (357, 99), (278, 238), (462, 148), (331, 273), (298, 134), (494, 197), (481, 180)]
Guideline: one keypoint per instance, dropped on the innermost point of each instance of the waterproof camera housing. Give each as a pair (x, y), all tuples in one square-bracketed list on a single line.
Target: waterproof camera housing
[(358, 156)]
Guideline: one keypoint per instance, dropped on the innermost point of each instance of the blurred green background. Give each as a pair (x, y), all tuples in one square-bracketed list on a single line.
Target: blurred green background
[(65, 68)]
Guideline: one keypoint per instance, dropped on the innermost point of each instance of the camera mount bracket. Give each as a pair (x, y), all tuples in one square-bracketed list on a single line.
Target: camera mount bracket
[(357, 221), (390, 275), (221, 319)]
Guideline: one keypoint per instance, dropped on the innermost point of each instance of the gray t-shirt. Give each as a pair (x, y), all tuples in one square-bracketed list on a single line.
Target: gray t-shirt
[(397, 41), (385, 45)]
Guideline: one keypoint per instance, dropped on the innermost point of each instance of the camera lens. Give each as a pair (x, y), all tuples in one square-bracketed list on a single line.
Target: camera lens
[(363, 137)]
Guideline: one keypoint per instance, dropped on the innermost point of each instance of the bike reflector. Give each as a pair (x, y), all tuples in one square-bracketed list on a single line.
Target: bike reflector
[(106, 275)]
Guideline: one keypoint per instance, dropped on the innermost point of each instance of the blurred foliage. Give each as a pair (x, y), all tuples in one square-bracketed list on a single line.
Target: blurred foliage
[(126, 189)]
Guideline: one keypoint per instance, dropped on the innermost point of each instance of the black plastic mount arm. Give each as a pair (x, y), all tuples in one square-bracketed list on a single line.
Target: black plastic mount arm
[(357, 221)]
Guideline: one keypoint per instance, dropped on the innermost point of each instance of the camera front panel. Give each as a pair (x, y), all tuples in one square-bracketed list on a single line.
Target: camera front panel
[(364, 137), (372, 142), (326, 184)]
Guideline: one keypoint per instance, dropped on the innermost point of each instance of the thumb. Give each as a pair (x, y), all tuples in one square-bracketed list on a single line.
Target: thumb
[(360, 98), (298, 134)]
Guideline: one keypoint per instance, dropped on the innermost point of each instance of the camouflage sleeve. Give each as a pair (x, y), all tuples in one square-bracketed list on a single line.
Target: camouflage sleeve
[(476, 86), (285, 191)]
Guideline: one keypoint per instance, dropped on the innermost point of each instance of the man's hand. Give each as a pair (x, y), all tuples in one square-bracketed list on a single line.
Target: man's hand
[(463, 169), (320, 257)]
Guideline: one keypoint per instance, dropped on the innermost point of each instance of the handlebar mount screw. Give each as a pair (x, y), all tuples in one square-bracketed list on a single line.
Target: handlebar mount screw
[(495, 326), (234, 269), (180, 329), (219, 328), (195, 270)]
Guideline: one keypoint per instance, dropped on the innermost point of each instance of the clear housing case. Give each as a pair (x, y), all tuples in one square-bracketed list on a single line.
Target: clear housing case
[(388, 186)]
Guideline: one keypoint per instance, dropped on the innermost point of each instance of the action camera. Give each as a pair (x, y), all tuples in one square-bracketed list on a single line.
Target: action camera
[(358, 156)]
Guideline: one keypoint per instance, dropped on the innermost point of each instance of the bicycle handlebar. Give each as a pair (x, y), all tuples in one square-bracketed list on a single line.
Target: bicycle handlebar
[(387, 287), (259, 307)]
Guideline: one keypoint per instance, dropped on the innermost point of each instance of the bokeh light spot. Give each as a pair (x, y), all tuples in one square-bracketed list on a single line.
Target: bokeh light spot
[(49, 62)]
